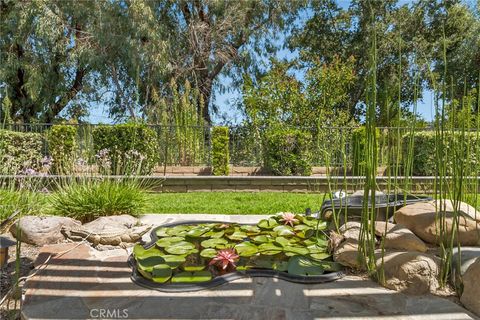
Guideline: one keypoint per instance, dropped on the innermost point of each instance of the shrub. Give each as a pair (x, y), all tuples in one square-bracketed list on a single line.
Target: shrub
[(89, 199), (220, 151), (25, 201), (126, 148), (20, 151), (359, 141), (287, 152), (424, 152), (62, 146)]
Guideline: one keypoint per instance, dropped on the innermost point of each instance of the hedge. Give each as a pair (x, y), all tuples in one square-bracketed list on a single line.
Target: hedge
[(424, 152), (129, 148), (62, 147), (20, 151), (220, 151), (286, 152)]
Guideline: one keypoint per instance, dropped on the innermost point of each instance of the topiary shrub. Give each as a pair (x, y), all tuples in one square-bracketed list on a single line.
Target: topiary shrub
[(129, 148), (359, 141), (220, 151), (286, 152), (62, 147), (20, 151)]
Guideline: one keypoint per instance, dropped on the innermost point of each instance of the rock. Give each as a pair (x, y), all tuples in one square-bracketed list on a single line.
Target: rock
[(347, 254), (410, 272), (468, 255), (381, 226), (420, 218), (42, 230), (463, 207), (351, 230), (400, 238), (111, 223), (471, 288)]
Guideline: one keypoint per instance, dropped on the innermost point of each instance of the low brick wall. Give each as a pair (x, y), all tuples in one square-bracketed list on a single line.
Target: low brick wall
[(244, 171), (420, 185)]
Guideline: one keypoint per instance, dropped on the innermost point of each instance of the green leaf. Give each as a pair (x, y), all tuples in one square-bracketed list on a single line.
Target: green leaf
[(284, 230), (303, 266), (262, 239), (161, 273), (284, 242), (208, 253), (180, 248), (180, 230), (162, 232), (250, 229), (268, 223), (269, 249), (238, 235), (174, 260), (217, 243), (320, 256), (148, 263), (290, 251), (246, 249), (165, 242), (140, 252), (193, 268), (214, 234), (192, 277), (198, 231)]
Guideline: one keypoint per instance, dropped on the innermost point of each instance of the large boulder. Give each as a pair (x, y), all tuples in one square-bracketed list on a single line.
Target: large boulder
[(410, 272), (422, 219), (471, 288), (111, 223), (348, 255), (42, 230), (466, 256), (401, 238)]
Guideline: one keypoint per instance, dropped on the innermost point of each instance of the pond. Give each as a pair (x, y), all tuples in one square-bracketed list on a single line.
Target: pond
[(191, 256)]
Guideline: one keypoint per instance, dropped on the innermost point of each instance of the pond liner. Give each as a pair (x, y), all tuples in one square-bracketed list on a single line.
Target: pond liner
[(223, 279)]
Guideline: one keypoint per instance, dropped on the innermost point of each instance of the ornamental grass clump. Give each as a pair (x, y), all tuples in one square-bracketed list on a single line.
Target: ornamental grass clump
[(88, 199)]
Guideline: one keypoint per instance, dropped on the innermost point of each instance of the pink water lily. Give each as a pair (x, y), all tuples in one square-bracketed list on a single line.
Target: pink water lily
[(225, 258), (288, 218)]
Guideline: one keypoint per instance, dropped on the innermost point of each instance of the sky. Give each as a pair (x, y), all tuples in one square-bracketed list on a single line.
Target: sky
[(226, 101)]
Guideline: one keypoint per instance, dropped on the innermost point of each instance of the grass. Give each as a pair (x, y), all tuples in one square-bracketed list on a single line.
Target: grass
[(232, 202)]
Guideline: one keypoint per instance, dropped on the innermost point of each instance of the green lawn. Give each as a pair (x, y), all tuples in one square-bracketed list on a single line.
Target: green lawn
[(232, 202)]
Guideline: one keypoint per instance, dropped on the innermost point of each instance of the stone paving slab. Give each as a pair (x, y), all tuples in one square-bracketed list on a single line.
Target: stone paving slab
[(84, 283)]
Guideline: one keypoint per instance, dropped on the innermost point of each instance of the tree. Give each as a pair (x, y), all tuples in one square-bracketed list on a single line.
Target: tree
[(207, 38), (60, 55), (408, 44)]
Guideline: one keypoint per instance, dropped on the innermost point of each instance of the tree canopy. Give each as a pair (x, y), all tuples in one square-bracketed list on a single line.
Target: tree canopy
[(61, 58)]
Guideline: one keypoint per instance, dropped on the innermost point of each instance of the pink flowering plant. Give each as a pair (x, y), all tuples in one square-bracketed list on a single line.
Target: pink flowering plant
[(225, 259)]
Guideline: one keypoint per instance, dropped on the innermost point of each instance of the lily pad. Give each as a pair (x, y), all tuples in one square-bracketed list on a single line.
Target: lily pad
[(269, 249), (291, 251), (165, 242), (208, 253), (284, 230), (180, 248), (193, 268), (320, 256), (250, 229), (315, 223), (261, 239), (214, 234), (161, 273), (140, 252), (198, 231), (217, 243), (284, 242), (162, 232), (237, 235), (192, 277), (246, 249), (268, 223), (148, 263), (180, 230), (303, 266), (173, 260)]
